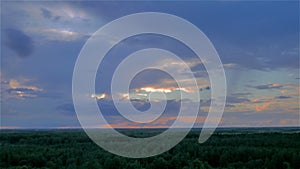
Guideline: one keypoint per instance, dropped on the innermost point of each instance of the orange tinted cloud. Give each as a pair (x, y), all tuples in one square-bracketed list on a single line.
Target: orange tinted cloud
[(14, 84), (283, 91), (19, 89), (132, 126), (265, 106), (290, 122), (8, 127), (68, 127), (276, 85), (201, 82), (163, 122), (164, 90)]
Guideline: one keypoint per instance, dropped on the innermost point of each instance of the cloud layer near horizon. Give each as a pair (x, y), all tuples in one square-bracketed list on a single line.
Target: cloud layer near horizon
[(258, 46)]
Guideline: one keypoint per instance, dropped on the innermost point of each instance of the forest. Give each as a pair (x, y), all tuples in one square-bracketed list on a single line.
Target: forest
[(227, 148)]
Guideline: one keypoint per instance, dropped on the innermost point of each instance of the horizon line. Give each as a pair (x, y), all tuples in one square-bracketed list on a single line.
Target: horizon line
[(132, 128)]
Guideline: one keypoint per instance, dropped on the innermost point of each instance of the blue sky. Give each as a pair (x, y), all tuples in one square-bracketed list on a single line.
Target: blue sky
[(258, 44)]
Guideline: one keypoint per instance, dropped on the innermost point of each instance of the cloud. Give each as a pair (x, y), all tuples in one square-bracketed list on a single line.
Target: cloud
[(283, 97), (15, 89), (265, 106), (250, 119), (46, 13), (229, 65), (108, 108), (235, 99), (9, 127), (49, 15), (140, 105), (155, 93), (270, 103), (60, 34), (74, 20), (162, 122), (4, 82), (23, 92), (98, 96), (267, 86), (16, 84), (205, 88), (233, 119), (289, 122), (60, 21), (19, 42), (230, 105), (164, 90)]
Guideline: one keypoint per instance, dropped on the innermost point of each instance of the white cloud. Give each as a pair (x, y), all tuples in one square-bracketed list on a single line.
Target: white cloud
[(60, 21), (98, 96), (61, 34), (229, 65)]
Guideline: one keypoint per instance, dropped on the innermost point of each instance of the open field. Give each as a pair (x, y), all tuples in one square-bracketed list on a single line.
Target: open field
[(227, 148)]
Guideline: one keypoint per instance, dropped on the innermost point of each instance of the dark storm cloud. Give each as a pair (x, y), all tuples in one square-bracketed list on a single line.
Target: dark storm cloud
[(19, 42)]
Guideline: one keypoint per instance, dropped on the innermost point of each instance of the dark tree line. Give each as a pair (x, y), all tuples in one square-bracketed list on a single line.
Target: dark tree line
[(73, 149)]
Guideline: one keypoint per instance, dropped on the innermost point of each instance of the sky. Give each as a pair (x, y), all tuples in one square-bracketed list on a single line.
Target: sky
[(258, 44)]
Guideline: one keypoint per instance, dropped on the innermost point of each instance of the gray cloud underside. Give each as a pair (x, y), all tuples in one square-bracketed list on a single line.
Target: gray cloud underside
[(19, 42)]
